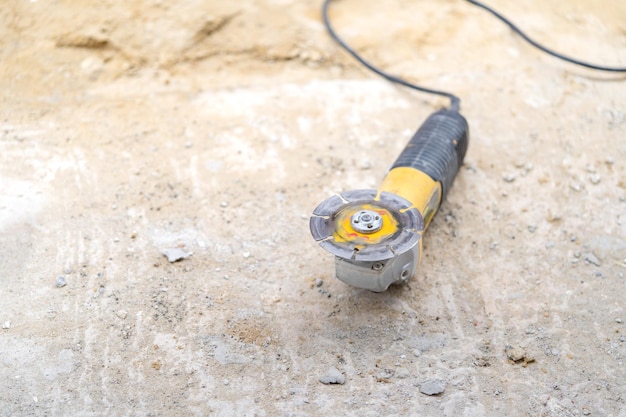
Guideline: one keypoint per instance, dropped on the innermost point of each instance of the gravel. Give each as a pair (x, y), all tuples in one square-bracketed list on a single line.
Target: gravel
[(333, 376), (515, 353), (175, 254), (594, 178), (60, 281), (592, 259), (402, 373), (433, 387)]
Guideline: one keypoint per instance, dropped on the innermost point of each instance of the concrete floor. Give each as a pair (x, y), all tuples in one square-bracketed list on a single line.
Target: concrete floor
[(127, 128)]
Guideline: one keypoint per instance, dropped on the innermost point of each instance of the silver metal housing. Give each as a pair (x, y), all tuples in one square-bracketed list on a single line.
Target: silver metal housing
[(378, 276)]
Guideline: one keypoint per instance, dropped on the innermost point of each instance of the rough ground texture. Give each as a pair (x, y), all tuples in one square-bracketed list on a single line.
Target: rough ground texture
[(131, 128)]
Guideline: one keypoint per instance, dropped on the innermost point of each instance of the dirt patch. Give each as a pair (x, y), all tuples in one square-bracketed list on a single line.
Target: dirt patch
[(128, 128)]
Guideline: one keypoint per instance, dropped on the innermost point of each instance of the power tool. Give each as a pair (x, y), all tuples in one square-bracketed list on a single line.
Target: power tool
[(376, 235)]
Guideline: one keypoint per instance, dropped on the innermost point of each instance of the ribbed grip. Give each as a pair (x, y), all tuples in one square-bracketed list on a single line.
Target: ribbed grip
[(438, 147)]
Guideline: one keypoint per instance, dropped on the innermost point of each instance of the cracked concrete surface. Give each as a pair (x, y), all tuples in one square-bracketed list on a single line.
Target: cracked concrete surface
[(127, 128)]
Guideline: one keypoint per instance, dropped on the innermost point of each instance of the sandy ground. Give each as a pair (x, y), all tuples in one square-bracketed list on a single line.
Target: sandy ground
[(127, 128)]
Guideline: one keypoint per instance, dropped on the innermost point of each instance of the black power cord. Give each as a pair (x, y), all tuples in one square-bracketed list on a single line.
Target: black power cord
[(543, 48), (455, 102)]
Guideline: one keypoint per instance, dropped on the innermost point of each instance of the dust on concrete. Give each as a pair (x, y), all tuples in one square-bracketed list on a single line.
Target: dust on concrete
[(130, 127)]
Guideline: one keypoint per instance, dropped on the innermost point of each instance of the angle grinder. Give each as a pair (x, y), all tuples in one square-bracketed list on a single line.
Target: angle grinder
[(376, 235)]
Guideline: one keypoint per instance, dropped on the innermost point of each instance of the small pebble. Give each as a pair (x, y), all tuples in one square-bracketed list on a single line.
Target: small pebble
[(333, 376), (246, 255), (594, 178), (417, 353), (319, 282), (402, 373), (433, 387), (549, 245), (6, 325), (515, 353), (508, 177), (532, 228), (60, 281), (618, 320), (121, 314), (591, 258), (484, 361), (175, 254), (224, 204)]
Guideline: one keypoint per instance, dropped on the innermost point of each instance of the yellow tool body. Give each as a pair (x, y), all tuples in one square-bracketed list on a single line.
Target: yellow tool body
[(417, 187), (376, 235)]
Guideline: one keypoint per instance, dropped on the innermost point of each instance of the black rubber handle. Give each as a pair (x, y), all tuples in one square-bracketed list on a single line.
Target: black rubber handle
[(438, 147)]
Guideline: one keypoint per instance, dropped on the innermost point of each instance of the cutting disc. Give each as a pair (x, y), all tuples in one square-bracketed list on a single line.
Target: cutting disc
[(331, 226)]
